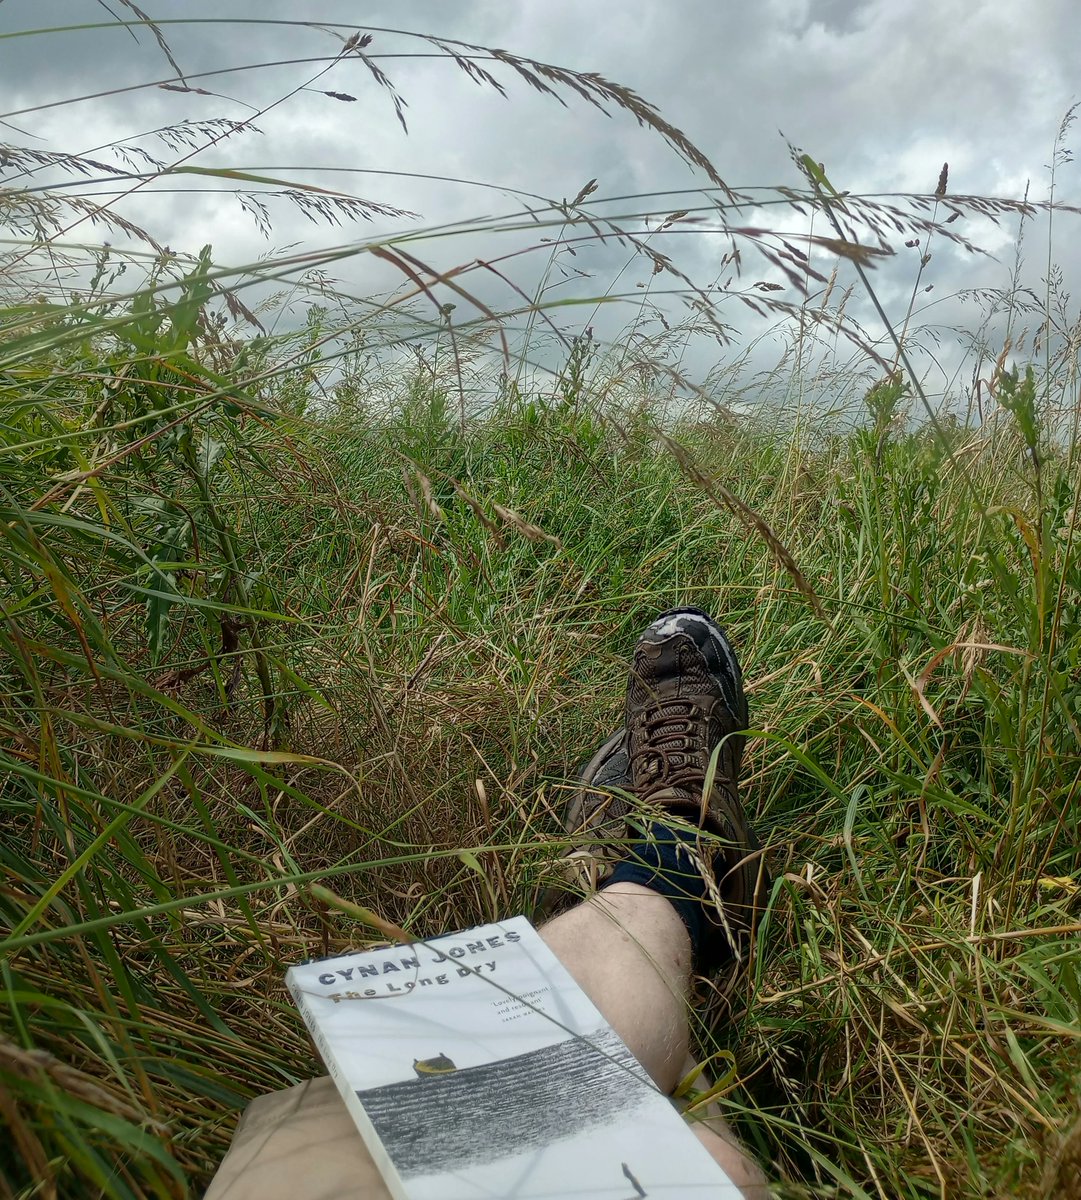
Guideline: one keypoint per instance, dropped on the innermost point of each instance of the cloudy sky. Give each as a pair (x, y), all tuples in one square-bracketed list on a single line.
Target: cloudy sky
[(881, 92)]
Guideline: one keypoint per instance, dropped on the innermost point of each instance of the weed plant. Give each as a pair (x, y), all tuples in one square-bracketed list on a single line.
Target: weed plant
[(347, 604)]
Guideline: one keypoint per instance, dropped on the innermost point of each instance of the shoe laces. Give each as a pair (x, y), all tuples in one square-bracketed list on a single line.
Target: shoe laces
[(673, 748)]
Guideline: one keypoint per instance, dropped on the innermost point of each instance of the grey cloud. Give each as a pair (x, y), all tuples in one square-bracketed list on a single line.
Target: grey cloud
[(881, 91)]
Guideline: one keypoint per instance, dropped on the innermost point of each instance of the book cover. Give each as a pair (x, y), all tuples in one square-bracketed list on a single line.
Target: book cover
[(475, 1066)]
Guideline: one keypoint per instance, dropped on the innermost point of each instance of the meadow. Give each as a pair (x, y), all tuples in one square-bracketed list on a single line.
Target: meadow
[(342, 600)]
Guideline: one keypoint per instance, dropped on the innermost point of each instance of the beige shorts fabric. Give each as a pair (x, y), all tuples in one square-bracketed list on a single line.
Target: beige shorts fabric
[(298, 1144)]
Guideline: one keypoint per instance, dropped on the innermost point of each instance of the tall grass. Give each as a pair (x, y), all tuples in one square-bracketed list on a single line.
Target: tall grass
[(349, 603)]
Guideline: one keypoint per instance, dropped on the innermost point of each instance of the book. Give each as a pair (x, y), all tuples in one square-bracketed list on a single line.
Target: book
[(474, 1066)]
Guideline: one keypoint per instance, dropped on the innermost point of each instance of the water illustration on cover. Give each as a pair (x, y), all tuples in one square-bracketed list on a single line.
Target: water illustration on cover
[(430, 1122)]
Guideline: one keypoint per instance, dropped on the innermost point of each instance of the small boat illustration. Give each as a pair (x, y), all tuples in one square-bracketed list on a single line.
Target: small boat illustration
[(440, 1065)]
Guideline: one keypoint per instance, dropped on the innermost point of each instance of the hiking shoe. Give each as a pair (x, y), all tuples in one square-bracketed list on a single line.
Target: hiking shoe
[(684, 696), (685, 699)]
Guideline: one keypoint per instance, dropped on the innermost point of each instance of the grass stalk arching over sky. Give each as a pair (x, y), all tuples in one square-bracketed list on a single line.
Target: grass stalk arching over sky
[(347, 595)]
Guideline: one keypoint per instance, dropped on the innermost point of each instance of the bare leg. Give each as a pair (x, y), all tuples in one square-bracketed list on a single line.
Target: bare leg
[(630, 933)]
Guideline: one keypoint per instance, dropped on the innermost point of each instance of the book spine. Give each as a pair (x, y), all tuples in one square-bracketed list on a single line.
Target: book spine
[(348, 1094)]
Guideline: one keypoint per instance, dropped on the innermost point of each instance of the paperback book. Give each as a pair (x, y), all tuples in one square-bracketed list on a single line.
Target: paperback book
[(474, 1066)]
